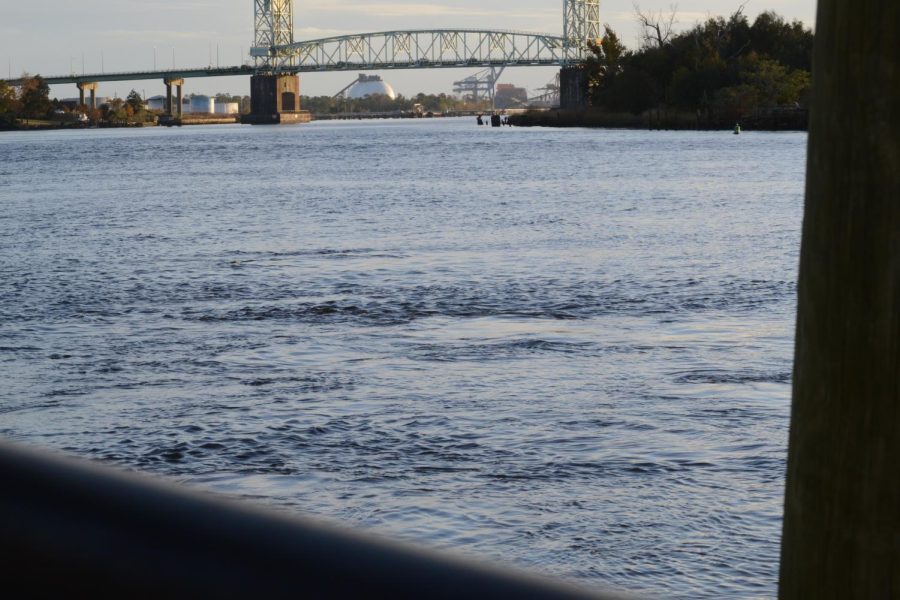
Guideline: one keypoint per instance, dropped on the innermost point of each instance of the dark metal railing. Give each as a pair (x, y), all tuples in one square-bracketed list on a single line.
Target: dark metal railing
[(75, 526)]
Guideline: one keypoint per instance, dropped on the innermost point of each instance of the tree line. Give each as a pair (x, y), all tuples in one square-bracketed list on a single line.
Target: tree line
[(723, 68), (30, 100)]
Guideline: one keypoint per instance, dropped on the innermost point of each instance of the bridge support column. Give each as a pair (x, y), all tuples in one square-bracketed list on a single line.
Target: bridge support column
[(176, 109), (275, 99), (573, 87), (90, 86)]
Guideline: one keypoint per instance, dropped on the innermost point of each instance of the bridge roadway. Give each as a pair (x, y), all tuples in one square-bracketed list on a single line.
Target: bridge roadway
[(420, 49), (171, 74)]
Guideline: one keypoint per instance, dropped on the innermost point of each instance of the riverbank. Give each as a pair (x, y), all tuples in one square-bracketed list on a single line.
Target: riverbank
[(165, 121), (357, 116), (41, 125), (46, 124), (770, 120)]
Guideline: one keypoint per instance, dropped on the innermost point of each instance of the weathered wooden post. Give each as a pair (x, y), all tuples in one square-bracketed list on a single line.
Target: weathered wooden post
[(842, 504)]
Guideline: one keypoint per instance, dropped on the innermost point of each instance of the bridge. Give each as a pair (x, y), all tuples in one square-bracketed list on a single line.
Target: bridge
[(278, 59)]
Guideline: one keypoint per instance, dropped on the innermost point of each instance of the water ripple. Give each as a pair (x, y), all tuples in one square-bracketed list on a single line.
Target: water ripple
[(566, 349)]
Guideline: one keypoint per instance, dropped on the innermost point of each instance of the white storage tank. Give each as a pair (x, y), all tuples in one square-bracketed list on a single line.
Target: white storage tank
[(157, 103), (202, 104), (227, 108), (370, 85)]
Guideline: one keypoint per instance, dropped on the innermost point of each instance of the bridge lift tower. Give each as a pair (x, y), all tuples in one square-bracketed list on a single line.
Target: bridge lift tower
[(581, 22), (273, 25), (275, 88), (581, 25)]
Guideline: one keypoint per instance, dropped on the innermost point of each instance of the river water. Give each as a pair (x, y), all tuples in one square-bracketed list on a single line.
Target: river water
[(564, 349)]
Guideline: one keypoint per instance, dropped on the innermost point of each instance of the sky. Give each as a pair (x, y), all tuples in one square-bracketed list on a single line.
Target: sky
[(58, 37)]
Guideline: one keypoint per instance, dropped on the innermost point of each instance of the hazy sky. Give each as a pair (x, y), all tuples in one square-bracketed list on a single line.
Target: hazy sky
[(53, 37)]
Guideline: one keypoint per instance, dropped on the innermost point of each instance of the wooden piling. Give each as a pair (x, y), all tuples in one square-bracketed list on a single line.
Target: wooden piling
[(842, 504)]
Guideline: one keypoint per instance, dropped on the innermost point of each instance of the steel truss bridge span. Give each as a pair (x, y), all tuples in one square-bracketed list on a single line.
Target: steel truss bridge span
[(420, 49), (417, 49)]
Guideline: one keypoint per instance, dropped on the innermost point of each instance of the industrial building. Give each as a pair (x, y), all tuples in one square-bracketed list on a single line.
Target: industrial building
[(510, 96), (156, 103)]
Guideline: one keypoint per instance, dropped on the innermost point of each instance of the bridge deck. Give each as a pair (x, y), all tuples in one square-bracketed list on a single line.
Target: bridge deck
[(418, 49)]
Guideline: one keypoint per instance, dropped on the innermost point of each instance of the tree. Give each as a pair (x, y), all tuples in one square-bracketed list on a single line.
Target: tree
[(135, 101), (775, 84), (765, 83), (8, 102), (34, 95), (604, 66), (656, 27), (789, 43), (722, 65), (733, 103), (115, 111), (9, 105), (222, 98)]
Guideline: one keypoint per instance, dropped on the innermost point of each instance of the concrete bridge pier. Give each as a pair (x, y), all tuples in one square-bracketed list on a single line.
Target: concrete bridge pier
[(573, 87), (176, 110), (275, 99), (90, 86)]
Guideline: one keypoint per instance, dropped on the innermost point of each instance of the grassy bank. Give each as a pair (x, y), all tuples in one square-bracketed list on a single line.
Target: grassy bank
[(39, 124)]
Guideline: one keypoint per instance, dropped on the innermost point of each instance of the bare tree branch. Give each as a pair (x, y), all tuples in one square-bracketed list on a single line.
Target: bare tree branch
[(657, 27)]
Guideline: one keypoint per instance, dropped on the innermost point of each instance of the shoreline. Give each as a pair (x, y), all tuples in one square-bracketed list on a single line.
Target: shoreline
[(46, 125), (776, 120), (773, 120)]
